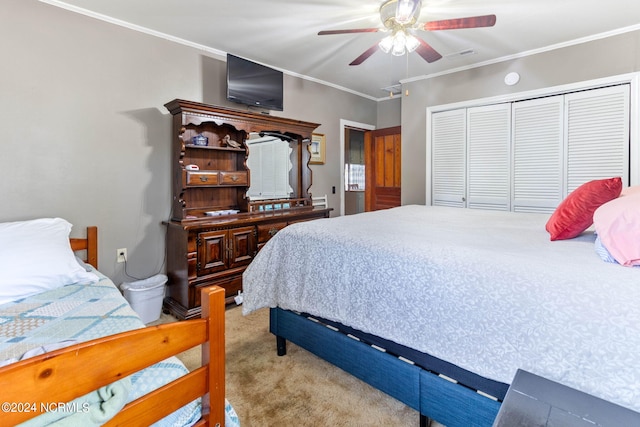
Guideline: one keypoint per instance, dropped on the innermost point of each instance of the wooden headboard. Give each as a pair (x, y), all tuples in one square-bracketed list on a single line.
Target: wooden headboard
[(89, 243)]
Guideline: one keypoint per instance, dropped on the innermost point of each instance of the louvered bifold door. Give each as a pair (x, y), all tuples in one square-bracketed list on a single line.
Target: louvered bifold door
[(597, 135), (448, 166), (537, 144), (488, 157)]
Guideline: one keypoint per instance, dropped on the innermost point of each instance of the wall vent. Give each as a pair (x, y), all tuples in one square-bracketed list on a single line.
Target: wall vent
[(460, 53), (393, 89)]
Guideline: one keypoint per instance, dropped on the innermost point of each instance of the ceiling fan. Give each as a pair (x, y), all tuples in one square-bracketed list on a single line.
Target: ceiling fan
[(400, 17)]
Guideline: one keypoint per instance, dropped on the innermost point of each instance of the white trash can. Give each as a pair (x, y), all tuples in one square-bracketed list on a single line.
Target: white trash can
[(145, 296)]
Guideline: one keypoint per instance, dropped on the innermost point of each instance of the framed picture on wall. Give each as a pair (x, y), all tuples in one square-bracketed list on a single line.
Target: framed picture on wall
[(317, 148)]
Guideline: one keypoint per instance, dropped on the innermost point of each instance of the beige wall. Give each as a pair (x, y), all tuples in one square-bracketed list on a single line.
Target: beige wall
[(86, 135), (389, 112), (597, 59)]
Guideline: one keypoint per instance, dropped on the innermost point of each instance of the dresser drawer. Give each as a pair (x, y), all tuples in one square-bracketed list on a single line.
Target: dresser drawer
[(234, 178), (231, 287), (202, 178), (267, 231)]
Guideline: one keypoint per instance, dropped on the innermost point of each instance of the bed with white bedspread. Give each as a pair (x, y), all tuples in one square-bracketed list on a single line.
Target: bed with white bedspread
[(486, 291)]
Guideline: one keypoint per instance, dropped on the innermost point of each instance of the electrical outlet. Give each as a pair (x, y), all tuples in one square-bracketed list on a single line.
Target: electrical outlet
[(121, 255)]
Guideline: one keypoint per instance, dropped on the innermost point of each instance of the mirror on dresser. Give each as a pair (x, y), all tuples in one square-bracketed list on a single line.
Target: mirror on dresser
[(270, 165), (280, 175)]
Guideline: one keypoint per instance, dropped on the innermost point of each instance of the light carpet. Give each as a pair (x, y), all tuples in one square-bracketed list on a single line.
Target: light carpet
[(298, 389)]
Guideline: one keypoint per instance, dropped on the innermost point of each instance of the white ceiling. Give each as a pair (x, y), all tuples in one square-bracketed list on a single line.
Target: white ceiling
[(283, 33)]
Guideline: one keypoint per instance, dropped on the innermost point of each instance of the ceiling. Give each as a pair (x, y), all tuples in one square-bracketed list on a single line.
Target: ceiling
[(283, 33)]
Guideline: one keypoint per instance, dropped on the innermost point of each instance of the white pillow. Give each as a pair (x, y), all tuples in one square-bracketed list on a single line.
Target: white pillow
[(36, 256)]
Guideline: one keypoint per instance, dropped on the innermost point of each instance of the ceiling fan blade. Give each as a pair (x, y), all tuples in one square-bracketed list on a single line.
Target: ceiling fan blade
[(356, 30), (459, 23), (427, 53), (367, 53)]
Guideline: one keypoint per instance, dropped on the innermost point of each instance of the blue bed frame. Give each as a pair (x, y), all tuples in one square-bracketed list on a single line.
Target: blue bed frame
[(420, 388)]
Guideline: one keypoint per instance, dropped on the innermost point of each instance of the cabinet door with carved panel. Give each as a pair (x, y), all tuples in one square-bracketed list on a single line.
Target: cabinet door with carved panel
[(242, 246), (212, 251), (220, 250)]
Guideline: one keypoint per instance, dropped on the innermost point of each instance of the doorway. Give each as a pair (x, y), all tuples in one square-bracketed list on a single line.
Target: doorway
[(356, 127), (354, 171), (379, 164)]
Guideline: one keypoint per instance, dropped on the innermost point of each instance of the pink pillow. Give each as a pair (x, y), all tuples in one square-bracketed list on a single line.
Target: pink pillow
[(618, 226), (575, 213)]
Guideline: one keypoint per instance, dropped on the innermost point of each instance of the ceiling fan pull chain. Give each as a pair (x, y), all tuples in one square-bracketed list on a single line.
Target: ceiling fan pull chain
[(406, 91)]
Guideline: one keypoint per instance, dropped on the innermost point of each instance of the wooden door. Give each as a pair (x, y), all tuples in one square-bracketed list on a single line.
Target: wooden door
[(382, 168)]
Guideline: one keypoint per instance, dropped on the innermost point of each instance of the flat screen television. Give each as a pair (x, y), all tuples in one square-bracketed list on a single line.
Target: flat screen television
[(254, 84)]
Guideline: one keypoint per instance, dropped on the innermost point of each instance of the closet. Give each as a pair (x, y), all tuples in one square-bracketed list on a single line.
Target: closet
[(527, 155)]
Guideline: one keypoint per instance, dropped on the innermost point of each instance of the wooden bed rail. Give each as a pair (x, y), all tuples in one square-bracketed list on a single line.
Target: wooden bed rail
[(89, 244), (62, 375)]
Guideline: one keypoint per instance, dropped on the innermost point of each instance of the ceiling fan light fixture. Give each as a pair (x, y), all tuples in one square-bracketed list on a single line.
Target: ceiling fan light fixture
[(411, 43), (399, 43), (386, 44)]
